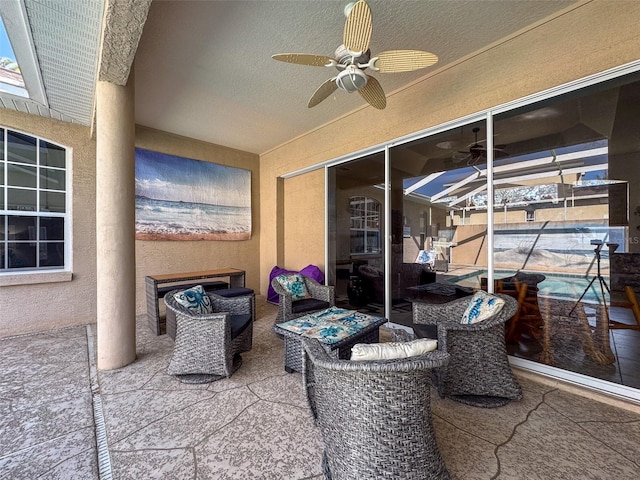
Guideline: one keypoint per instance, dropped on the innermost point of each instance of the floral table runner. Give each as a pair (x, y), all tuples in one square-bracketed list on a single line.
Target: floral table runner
[(331, 325)]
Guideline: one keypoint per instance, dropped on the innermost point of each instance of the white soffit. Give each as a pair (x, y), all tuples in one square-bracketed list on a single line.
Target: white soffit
[(66, 41)]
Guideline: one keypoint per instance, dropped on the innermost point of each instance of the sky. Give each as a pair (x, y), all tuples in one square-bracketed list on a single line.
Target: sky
[(5, 45), (177, 179)]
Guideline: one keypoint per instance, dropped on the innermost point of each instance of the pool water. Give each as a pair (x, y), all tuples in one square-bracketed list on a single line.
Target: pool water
[(554, 285)]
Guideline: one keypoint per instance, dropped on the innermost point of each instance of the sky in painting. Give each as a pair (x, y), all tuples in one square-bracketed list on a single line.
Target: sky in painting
[(176, 179)]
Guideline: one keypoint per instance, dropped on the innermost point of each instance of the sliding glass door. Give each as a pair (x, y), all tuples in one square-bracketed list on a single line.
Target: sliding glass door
[(356, 233), (546, 210), (431, 180), (561, 233)]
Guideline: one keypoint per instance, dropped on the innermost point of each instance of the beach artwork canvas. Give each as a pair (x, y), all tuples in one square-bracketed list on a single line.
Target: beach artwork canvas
[(183, 199)]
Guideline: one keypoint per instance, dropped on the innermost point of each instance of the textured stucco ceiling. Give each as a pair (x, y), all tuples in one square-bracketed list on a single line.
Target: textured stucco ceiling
[(203, 69)]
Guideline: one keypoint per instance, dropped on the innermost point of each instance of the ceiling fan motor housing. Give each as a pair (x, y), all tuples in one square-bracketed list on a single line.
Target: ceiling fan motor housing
[(345, 57), (351, 79)]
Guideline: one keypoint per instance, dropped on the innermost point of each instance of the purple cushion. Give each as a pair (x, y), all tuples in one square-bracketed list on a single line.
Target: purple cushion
[(310, 271)]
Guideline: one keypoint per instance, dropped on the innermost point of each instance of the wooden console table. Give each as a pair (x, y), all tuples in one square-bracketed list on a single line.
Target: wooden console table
[(235, 276)]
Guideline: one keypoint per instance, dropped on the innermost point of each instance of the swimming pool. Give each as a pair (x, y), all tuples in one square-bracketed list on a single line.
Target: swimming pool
[(554, 285)]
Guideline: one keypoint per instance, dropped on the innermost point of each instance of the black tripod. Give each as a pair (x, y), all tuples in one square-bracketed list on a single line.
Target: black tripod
[(598, 276)]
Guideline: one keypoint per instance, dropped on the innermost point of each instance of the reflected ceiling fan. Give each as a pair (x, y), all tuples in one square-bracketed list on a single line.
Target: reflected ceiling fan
[(476, 151), (353, 57)]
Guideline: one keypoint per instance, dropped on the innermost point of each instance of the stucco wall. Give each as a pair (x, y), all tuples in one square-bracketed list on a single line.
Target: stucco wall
[(159, 257), (36, 307), (43, 306), (591, 38)]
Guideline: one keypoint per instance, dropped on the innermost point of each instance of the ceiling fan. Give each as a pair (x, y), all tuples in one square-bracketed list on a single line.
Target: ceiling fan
[(476, 151), (353, 57)]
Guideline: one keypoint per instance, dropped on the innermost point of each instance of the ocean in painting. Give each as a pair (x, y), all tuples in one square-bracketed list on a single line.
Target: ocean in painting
[(163, 218), (183, 199)]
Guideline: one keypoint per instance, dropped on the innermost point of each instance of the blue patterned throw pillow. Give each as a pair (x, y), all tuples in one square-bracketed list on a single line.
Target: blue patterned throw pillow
[(195, 299), (294, 284), (481, 307)]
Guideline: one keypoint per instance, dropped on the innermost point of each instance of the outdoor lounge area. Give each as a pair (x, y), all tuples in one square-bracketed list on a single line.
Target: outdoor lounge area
[(150, 146), (257, 424)]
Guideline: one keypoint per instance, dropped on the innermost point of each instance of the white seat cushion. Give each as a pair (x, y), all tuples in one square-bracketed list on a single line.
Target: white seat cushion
[(391, 350)]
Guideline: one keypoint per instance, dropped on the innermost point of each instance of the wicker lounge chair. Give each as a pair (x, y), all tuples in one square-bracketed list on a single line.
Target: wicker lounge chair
[(322, 297), (208, 346), (375, 416), (478, 372)]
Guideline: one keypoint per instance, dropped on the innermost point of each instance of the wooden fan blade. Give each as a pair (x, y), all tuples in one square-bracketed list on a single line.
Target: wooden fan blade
[(323, 91), (357, 28), (305, 59), (374, 95), (394, 61)]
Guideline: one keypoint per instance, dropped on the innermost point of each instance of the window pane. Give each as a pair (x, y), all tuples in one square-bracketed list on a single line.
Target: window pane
[(32, 179), (52, 202), (24, 200), (22, 255), (52, 179), (21, 176), (52, 254), (51, 228), (51, 155), (22, 228), (21, 148), (357, 241)]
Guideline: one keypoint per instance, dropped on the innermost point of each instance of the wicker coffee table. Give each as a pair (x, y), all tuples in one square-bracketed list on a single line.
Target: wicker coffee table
[(337, 329)]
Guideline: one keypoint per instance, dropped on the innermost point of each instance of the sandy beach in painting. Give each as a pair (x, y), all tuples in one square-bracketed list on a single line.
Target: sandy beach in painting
[(165, 220), (202, 236)]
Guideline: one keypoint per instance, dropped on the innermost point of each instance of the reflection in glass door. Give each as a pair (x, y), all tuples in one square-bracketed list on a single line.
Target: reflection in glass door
[(561, 203), (565, 231), (431, 180), (356, 234)]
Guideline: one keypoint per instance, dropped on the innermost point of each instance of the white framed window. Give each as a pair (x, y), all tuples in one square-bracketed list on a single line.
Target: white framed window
[(365, 225), (530, 215), (33, 203)]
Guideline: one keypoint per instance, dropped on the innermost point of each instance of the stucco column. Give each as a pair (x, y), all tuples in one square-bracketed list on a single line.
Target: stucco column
[(115, 225)]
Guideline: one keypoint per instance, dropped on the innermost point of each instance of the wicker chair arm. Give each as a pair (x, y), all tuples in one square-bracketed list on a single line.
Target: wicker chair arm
[(431, 314), (233, 305), (320, 292)]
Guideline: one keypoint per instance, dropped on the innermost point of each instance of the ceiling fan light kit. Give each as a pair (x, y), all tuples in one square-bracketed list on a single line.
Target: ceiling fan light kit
[(351, 79), (353, 57)]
